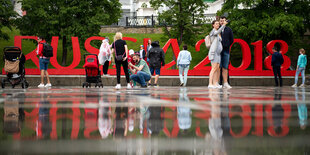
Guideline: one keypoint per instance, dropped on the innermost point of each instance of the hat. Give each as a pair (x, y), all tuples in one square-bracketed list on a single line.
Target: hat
[(141, 46), (131, 52)]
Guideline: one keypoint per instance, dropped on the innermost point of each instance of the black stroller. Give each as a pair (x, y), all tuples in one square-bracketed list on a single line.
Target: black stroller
[(11, 55), (92, 71)]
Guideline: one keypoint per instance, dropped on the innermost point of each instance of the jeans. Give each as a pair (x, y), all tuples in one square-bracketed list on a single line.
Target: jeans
[(183, 68), (302, 71), (43, 63), (277, 72), (141, 77)]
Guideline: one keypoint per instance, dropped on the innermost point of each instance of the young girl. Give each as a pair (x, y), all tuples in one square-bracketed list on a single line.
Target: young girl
[(301, 66)]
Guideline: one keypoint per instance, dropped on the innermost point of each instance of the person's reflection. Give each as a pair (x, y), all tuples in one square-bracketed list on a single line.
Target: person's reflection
[(155, 122), (44, 127), (277, 111), (105, 118), (215, 125), (13, 115), (302, 108), (184, 113), (121, 115)]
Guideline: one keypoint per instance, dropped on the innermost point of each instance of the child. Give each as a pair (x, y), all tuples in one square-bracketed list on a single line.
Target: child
[(183, 62), (130, 60), (301, 67)]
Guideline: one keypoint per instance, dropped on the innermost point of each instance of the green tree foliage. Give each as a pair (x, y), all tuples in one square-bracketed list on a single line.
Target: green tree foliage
[(7, 15), (267, 20), (182, 16), (66, 18)]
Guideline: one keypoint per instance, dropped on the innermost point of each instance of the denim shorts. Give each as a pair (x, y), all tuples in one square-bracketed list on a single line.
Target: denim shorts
[(225, 59), (157, 71), (43, 63)]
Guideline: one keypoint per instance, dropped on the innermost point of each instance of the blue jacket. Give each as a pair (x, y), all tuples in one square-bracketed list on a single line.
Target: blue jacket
[(302, 61), (277, 59)]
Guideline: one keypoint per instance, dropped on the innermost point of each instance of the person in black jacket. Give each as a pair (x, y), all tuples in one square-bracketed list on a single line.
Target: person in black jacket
[(276, 62), (156, 57), (227, 41)]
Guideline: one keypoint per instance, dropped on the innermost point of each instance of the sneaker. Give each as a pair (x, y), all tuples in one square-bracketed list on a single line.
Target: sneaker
[(118, 86), (294, 85), (302, 85), (41, 85), (226, 85), (149, 84), (211, 87), (156, 85), (144, 86), (129, 85), (181, 84), (48, 85)]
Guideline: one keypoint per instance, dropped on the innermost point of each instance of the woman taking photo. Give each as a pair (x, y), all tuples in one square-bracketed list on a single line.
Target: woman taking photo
[(121, 53), (215, 53)]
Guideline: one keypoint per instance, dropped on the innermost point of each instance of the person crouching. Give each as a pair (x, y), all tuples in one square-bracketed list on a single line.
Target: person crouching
[(141, 71)]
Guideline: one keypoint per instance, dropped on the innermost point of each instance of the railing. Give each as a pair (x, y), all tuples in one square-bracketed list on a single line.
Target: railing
[(151, 21)]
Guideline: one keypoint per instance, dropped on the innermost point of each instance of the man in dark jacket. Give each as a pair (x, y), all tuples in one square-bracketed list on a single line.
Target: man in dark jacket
[(276, 62), (156, 57), (227, 41)]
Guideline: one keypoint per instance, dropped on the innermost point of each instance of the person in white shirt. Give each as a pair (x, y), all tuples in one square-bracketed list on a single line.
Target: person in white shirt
[(183, 62)]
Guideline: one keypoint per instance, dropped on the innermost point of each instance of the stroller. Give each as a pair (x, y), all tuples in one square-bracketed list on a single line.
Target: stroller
[(92, 70), (11, 55)]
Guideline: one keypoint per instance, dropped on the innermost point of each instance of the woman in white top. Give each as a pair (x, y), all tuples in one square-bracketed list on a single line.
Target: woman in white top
[(215, 53)]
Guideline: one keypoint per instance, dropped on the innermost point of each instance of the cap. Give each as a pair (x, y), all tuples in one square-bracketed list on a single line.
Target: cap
[(131, 51)]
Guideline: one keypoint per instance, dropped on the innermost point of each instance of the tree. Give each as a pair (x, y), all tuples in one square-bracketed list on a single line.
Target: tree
[(182, 16), (66, 18), (268, 19), (7, 15)]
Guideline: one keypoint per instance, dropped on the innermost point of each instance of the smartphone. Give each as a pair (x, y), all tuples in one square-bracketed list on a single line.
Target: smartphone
[(228, 21)]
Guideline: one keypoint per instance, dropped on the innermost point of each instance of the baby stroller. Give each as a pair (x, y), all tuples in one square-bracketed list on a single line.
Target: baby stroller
[(92, 70), (14, 67)]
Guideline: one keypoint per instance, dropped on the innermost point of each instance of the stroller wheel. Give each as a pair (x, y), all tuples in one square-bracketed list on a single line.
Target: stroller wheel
[(101, 85), (88, 85), (3, 83), (13, 85), (24, 85)]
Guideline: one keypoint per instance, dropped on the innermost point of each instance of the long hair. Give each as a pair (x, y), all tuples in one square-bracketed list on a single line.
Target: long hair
[(118, 36)]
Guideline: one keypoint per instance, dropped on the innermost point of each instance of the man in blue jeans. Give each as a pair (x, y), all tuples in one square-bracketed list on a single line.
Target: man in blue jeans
[(143, 71), (227, 41)]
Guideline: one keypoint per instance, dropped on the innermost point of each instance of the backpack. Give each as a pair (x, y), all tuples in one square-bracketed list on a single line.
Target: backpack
[(47, 50), (208, 41)]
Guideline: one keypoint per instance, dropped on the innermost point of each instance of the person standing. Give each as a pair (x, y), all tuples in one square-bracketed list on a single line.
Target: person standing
[(227, 41), (143, 72), (183, 62), (121, 53), (156, 57), (215, 53), (142, 52), (105, 55), (43, 63), (149, 46), (276, 62), (301, 67)]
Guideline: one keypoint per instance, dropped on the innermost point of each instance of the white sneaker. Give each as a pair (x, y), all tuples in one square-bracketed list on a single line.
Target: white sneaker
[(48, 85), (226, 85), (294, 85), (211, 87), (118, 86), (41, 85), (302, 85), (129, 85)]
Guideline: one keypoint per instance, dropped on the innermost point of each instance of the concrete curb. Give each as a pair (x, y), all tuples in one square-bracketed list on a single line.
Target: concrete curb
[(77, 80)]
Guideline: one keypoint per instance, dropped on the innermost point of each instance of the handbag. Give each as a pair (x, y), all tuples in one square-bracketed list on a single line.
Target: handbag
[(12, 66), (118, 57)]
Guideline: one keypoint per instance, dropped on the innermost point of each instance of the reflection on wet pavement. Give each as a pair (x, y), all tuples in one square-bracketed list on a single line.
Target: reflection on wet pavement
[(165, 120)]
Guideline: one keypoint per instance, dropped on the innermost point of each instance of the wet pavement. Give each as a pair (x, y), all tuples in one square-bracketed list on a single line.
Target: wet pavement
[(164, 120)]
